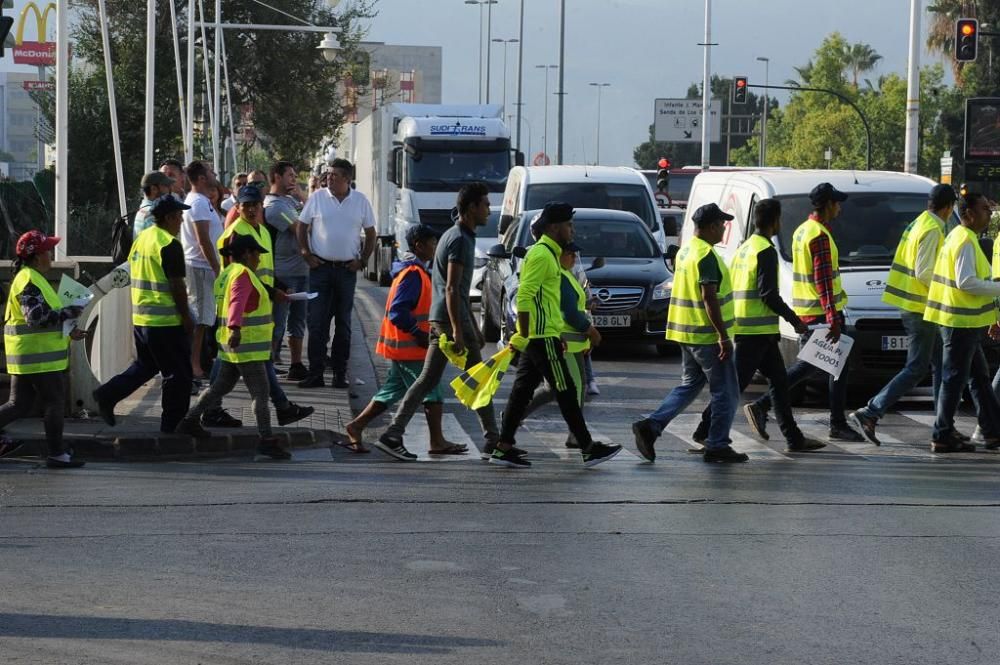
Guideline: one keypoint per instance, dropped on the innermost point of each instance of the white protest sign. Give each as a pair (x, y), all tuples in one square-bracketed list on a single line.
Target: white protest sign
[(72, 292), (828, 356)]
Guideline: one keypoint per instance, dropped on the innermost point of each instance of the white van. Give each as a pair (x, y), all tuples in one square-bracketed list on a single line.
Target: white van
[(880, 204), (606, 187)]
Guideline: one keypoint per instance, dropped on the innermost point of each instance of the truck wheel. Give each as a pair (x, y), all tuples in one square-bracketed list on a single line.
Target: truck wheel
[(371, 266), (491, 332)]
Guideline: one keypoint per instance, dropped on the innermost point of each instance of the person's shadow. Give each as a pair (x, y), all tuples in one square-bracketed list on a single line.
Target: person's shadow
[(53, 626)]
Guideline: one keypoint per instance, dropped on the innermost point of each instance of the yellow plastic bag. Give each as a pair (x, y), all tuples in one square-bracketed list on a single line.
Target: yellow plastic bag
[(448, 349), (475, 388)]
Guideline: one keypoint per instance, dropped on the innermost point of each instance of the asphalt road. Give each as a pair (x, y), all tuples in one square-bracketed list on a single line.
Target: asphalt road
[(860, 554)]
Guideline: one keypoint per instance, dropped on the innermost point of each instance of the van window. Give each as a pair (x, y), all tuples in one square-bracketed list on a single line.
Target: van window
[(632, 198), (866, 232)]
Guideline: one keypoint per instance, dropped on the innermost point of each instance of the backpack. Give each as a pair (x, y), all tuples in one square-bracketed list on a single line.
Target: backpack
[(121, 238)]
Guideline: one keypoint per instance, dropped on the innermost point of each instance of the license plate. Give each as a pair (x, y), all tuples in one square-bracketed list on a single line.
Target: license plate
[(895, 343), (612, 320)]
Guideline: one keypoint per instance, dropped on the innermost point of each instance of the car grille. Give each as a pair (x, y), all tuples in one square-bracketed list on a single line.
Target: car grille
[(885, 326), (617, 298)]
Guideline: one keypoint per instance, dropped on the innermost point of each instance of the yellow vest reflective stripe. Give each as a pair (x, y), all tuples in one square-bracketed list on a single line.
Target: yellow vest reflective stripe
[(33, 349), (903, 289), (257, 326), (805, 297), (576, 342), (687, 320), (753, 317), (152, 304), (947, 305), (265, 271)]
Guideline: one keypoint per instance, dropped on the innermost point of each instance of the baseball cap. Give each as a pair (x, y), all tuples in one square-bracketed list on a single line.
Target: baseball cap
[(554, 212), (249, 194), (823, 193), (708, 213), (156, 178), (167, 204), (34, 242), (241, 243)]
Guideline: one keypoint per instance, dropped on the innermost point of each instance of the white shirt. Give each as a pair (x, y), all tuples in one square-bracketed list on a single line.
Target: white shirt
[(965, 274), (927, 253), (228, 202), (335, 227), (201, 210)]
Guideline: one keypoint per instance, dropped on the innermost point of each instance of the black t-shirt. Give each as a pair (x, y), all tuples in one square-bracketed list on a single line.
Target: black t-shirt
[(172, 258), (709, 271)]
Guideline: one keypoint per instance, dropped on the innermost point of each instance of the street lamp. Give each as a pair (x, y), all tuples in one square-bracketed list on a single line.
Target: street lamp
[(763, 118), (599, 86), (545, 129), (506, 43), (481, 3), (330, 46)]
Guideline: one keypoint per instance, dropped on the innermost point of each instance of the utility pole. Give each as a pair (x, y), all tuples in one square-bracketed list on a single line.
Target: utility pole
[(520, 75), (706, 92), (562, 79), (912, 145), (489, 41)]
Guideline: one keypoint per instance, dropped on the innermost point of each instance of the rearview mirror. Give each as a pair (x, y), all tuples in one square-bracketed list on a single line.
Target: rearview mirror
[(505, 221), (599, 262), (670, 256), (520, 252), (498, 252)]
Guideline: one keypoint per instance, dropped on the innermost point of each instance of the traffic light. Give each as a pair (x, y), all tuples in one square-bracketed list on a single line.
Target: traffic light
[(966, 39), (740, 90), (6, 23), (663, 175)]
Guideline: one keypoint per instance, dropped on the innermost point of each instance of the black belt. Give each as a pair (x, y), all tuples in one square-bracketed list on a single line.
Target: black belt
[(339, 264)]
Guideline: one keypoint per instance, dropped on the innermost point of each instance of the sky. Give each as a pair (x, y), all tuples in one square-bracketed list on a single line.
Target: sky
[(644, 48)]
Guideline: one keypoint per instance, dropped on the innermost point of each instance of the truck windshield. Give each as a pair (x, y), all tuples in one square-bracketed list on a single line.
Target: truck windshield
[(607, 196), (448, 170), (866, 232)]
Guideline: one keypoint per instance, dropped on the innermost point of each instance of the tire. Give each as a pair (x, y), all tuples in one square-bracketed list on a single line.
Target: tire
[(491, 332)]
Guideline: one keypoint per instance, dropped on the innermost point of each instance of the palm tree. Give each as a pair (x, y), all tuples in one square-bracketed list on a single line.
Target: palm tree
[(941, 31), (858, 59), (805, 75)]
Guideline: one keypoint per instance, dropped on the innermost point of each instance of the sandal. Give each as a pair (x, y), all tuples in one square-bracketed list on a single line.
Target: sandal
[(356, 448), (451, 449)]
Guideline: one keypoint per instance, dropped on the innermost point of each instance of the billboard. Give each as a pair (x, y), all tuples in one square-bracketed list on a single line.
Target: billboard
[(39, 53), (982, 129)]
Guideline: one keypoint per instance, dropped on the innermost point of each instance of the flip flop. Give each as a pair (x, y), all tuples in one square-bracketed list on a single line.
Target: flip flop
[(453, 449), (356, 448)]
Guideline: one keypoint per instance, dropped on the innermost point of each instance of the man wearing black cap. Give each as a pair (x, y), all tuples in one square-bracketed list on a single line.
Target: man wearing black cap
[(817, 298), (909, 280), (699, 319), (538, 338)]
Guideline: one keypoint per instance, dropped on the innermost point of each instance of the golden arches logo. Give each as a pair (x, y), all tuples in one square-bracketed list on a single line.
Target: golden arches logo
[(41, 21)]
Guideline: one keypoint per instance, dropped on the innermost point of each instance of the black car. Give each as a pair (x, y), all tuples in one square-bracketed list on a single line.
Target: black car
[(628, 277)]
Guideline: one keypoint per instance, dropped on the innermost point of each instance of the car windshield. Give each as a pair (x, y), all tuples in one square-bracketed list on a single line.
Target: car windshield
[(868, 229), (448, 170), (610, 238), (607, 196)]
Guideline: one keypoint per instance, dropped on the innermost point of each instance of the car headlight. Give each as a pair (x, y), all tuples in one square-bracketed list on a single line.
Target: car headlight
[(662, 290)]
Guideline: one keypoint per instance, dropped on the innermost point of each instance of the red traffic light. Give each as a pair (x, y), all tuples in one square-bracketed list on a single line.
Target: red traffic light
[(740, 90), (664, 163), (966, 39), (741, 83), (968, 29)]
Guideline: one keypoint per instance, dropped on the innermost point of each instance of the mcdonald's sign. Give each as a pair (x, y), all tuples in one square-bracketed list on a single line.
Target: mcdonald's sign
[(40, 53)]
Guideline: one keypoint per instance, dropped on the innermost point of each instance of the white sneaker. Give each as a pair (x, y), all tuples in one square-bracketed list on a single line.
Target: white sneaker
[(977, 436), (592, 388)]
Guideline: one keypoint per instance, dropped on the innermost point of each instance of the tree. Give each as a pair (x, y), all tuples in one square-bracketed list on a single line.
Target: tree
[(860, 59)]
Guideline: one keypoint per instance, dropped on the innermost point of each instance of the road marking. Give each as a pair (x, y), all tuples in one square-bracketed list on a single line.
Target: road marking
[(552, 434), (684, 424), (418, 439)]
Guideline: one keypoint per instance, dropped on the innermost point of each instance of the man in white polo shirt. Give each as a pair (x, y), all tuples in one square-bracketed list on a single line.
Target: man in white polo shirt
[(329, 235)]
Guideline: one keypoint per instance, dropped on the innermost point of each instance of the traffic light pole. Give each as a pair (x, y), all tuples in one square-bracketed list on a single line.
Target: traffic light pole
[(864, 120)]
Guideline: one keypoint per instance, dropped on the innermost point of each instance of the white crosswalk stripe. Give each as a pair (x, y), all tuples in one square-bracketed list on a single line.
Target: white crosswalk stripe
[(553, 432), (683, 426), (418, 439)]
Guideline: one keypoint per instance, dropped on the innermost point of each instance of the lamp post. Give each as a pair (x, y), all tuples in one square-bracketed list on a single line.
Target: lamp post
[(481, 3), (599, 87), (763, 117), (506, 43), (545, 124)]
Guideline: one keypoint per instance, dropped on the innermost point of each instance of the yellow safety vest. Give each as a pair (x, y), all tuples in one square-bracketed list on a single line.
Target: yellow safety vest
[(903, 289), (947, 305), (152, 304), (576, 342), (257, 326), (805, 297), (753, 317), (265, 271), (33, 349), (687, 320)]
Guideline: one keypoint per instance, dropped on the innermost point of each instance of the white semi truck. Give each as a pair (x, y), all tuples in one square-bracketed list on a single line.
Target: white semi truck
[(411, 160)]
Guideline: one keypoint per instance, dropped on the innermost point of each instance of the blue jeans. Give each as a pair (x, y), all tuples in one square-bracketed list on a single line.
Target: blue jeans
[(335, 302), (700, 364), (278, 396), (291, 315), (588, 366), (924, 353), (965, 363)]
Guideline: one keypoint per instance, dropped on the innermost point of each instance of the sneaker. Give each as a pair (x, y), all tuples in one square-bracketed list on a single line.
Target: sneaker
[(195, 387), (977, 435), (393, 447), (9, 446), (191, 427), (866, 424), (106, 409), (293, 412), (490, 446), (312, 381), (724, 455), (598, 453), (509, 458), (757, 418), (219, 418), (804, 446), (952, 445), (645, 437), (269, 447), (297, 372), (340, 381), (844, 433), (592, 388), (700, 433), (56, 463), (280, 372), (991, 442)]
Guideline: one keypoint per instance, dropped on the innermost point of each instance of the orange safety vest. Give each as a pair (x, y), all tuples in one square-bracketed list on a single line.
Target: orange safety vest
[(396, 344)]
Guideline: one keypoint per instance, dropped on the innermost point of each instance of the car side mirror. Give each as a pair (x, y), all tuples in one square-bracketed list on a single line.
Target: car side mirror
[(670, 256), (599, 262), (669, 225), (519, 252), (498, 251), (505, 221)]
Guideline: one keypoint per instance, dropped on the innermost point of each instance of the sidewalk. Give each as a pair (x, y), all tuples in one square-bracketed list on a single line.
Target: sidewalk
[(137, 437)]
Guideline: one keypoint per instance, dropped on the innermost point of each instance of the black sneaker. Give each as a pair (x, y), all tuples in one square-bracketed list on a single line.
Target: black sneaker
[(394, 447), (700, 433), (191, 427), (724, 455), (804, 446), (312, 381), (297, 372), (340, 381), (106, 409), (490, 446), (509, 458), (598, 453), (866, 424), (952, 445), (991, 442), (293, 412), (645, 437), (757, 418), (53, 463), (270, 448), (844, 433), (219, 418)]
